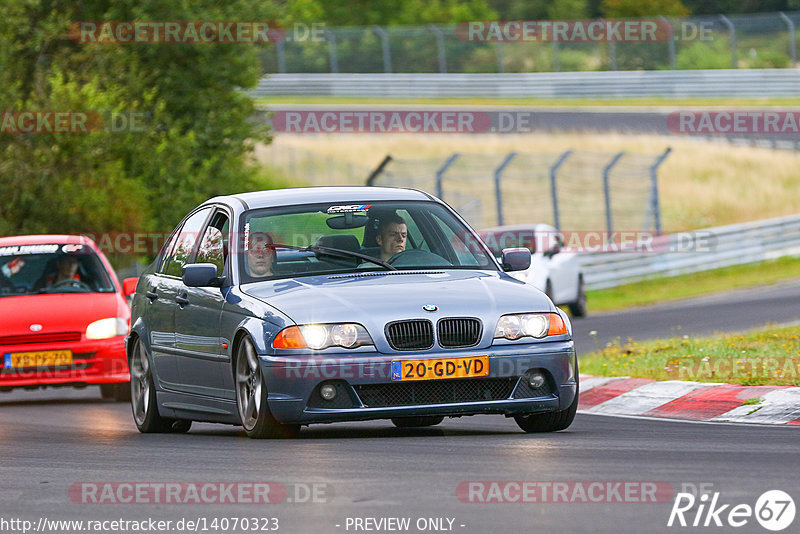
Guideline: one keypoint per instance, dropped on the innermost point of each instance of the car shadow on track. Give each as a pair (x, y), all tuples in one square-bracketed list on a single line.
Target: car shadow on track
[(351, 431)]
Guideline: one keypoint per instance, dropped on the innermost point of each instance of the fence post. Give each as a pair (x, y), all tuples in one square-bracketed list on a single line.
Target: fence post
[(607, 190), (440, 175), (378, 170), (792, 38), (498, 172), (655, 205), (673, 63), (387, 54), (612, 52), (439, 47), (498, 49), (334, 55), (553, 190), (732, 34), (556, 57), (281, 57)]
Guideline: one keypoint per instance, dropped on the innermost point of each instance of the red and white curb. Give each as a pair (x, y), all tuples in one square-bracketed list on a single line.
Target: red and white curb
[(697, 401)]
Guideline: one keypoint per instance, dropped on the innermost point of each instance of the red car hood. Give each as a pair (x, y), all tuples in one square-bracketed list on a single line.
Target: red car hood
[(60, 312)]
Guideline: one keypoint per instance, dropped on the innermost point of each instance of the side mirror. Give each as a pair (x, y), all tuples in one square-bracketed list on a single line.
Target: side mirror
[(516, 259), (201, 275), (129, 286)]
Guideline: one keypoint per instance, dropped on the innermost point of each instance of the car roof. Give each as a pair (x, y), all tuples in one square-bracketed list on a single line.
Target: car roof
[(311, 195), (44, 239)]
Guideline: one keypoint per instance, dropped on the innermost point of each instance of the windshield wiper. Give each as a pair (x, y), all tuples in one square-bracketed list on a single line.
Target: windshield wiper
[(337, 252)]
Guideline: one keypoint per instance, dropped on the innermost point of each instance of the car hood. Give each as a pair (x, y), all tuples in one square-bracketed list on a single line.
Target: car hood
[(381, 297), (59, 312)]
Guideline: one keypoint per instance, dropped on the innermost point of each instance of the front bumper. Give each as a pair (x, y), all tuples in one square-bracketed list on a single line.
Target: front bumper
[(368, 392), (93, 362)]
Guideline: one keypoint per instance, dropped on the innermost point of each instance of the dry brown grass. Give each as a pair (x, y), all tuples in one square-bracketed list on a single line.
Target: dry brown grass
[(701, 184)]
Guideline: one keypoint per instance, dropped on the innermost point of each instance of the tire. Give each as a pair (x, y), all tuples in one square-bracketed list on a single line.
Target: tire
[(550, 421), (251, 397), (578, 308), (418, 421), (143, 395), (119, 392)]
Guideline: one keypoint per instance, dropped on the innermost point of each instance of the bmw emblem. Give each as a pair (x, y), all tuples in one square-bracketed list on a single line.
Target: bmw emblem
[(35, 327), (430, 308)]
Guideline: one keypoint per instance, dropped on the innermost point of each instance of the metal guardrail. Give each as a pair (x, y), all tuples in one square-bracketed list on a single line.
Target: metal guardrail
[(697, 251), (619, 84)]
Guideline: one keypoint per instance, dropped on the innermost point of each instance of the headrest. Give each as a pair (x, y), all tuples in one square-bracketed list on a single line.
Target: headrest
[(340, 241)]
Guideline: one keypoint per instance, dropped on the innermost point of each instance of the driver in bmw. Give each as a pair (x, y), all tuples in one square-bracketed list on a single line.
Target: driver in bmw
[(392, 235)]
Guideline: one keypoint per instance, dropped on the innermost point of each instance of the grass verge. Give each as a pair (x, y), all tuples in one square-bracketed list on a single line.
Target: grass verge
[(658, 290), (766, 357)]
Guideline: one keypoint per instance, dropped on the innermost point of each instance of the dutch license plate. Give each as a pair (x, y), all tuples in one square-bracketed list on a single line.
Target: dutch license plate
[(441, 368), (42, 358)]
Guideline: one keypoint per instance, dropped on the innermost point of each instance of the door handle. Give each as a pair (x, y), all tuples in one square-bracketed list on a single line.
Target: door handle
[(152, 295), (181, 300)]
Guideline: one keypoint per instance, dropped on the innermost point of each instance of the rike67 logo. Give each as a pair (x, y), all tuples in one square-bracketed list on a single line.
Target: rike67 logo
[(774, 510)]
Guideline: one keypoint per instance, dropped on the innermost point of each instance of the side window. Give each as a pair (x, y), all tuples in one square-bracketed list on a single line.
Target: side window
[(168, 251), (214, 246), (185, 243)]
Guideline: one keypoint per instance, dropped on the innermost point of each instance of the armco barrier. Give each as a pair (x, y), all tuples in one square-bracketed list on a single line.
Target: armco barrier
[(697, 251), (606, 84)]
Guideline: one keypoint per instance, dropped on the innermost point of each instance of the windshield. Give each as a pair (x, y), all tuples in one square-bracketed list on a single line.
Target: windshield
[(51, 268), (335, 237)]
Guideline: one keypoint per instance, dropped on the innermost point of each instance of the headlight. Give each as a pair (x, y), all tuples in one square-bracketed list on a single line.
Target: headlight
[(107, 328), (536, 325), (322, 336)]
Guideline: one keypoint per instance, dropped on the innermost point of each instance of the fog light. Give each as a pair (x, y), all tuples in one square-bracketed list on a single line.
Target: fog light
[(327, 392), (536, 380)]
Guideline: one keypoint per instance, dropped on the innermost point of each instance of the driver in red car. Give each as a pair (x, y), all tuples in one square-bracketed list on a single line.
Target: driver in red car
[(66, 269), (392, 235)]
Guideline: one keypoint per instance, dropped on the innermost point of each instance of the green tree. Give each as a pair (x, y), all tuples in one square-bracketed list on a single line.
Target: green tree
[(568, 10), (197, 140), (387, 12), (637, 8)]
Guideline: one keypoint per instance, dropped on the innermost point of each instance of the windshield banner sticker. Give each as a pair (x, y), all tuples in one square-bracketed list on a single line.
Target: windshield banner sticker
[(28, 249), (349, 209)]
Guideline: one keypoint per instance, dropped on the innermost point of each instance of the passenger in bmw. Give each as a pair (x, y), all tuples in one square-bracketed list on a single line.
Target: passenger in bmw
[(260, 255), (392, 235)]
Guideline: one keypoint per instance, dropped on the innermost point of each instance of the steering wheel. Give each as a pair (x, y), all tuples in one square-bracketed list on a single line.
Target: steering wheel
[(418, 258), (72, 283)]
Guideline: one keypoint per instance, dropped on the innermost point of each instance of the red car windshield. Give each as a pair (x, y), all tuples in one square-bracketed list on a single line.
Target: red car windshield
[(51, 268)]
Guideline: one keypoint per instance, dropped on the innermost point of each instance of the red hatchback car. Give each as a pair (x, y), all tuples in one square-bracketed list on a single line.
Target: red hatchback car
[(63, 316)]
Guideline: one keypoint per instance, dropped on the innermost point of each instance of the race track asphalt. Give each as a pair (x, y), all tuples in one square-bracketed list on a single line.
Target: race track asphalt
[(51, 440), (56, 439)]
